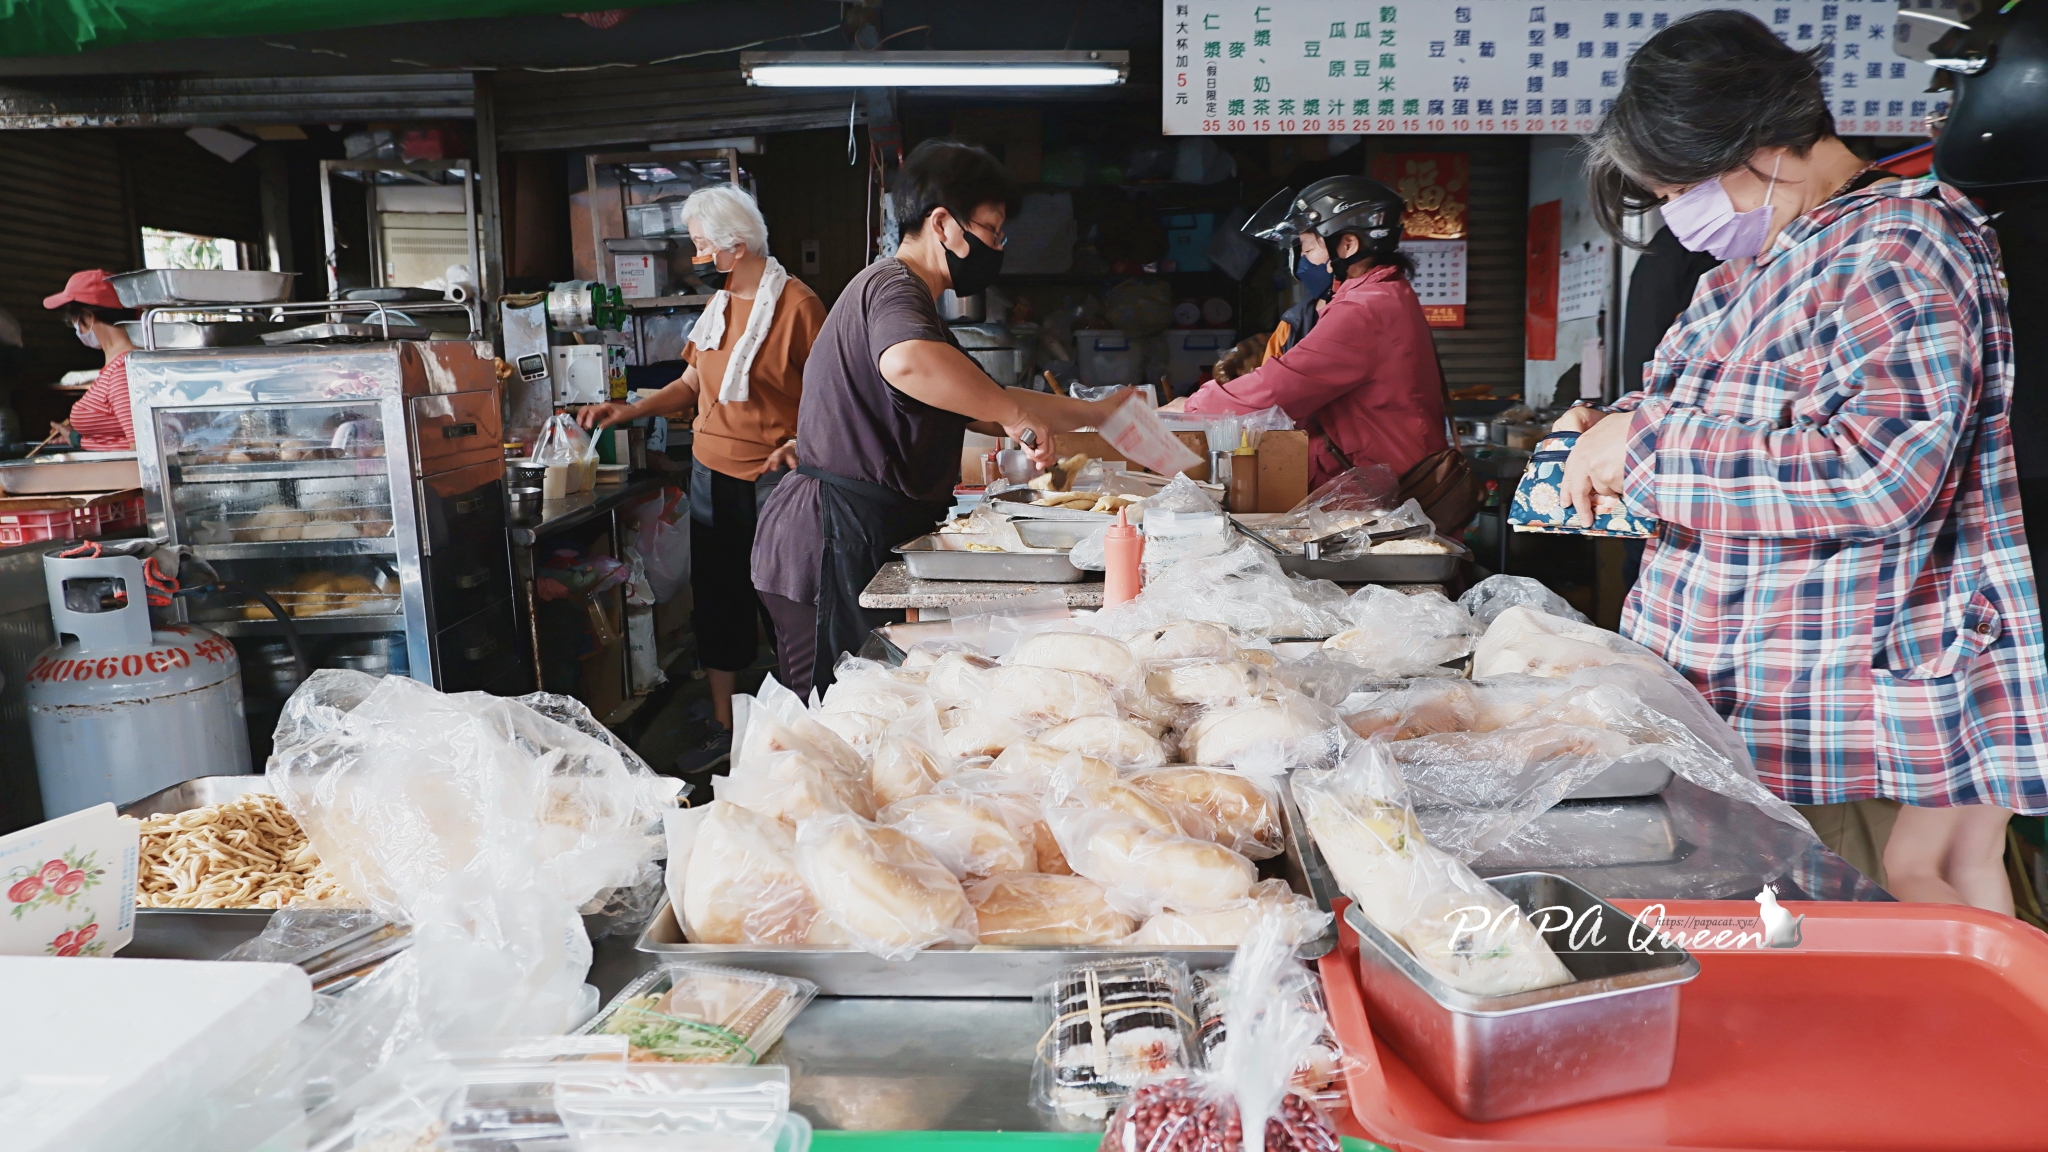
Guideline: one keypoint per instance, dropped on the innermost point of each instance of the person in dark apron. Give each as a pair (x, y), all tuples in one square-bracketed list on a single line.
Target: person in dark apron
[(888, 396)]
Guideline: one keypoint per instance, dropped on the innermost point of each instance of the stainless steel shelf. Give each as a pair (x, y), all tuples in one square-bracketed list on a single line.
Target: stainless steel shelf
[(306, 625), (280, 470), (288, 549)]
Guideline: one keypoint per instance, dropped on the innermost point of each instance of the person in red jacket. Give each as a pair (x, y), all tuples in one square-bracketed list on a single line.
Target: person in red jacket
[(1364, 381)]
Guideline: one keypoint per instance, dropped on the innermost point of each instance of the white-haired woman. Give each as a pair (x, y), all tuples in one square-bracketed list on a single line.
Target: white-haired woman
[(745, 376)]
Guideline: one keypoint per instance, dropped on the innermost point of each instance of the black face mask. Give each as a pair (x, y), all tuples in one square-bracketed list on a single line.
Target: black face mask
[(974, 272), (707, 271)]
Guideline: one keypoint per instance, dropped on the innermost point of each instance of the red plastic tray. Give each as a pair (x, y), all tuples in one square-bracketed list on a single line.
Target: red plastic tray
[(1901, 1027)]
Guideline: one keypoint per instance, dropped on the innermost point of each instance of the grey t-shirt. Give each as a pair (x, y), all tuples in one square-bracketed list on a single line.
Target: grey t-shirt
[(852, 423)]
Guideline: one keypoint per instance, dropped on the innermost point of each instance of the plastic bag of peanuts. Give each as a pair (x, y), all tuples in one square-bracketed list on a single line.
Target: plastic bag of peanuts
[(1244, 1102)]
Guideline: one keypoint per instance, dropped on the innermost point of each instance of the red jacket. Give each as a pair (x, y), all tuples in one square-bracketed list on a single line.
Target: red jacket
[(1365, 376)]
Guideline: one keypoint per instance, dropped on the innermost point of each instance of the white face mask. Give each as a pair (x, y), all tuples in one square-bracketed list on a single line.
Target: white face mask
[(88, 337)]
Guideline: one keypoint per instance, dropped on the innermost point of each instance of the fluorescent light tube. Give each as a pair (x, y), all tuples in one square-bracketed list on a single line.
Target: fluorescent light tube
[(934, 69)]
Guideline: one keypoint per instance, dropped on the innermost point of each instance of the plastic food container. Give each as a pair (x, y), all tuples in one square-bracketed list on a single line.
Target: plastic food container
[(702, 1014), (1611, 1031)]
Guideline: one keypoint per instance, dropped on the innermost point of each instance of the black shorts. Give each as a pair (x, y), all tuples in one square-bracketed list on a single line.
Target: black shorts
[(725, 611)]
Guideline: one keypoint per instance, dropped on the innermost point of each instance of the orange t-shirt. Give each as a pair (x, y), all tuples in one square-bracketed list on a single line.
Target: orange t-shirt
[(735, 439)]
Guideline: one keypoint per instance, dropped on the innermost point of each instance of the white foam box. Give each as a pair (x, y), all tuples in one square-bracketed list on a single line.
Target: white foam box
[(96, 1054)]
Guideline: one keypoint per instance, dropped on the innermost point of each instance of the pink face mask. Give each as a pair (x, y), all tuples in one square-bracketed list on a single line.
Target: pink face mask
[(1705, 220)]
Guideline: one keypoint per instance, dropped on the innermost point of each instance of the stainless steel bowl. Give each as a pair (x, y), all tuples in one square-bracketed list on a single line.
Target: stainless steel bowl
[(525, 503), (1004, 365)]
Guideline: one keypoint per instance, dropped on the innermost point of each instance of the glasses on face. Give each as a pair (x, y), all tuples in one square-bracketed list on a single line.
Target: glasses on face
[(992, 235)]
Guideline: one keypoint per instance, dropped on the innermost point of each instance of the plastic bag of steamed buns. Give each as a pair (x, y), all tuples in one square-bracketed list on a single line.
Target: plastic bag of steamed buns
[(1055, 796)]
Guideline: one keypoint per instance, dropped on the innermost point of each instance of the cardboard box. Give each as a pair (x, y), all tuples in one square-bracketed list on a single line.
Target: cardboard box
[(1283, 470), (1093, 443)]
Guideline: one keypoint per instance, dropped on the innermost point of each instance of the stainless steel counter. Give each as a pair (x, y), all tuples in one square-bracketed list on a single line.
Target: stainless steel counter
[(571, 511)]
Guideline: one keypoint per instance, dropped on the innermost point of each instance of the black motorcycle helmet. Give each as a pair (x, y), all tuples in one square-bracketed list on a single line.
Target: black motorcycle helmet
[(1331, 207), (1994, 57)]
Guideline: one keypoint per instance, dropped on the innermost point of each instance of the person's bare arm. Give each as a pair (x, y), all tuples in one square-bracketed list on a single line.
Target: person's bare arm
[(677, 397), (947, 378)]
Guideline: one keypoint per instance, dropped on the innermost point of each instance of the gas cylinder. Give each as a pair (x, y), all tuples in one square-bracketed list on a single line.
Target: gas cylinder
[(119, 708)]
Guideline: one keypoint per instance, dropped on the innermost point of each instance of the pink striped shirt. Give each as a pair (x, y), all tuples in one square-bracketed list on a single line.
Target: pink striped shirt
[(101, 417)]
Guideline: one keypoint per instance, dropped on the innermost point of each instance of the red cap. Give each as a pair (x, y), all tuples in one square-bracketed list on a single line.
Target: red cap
[(87, 287)]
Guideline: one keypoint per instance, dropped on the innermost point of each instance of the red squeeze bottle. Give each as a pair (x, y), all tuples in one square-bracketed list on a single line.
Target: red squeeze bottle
[(1122, 551)]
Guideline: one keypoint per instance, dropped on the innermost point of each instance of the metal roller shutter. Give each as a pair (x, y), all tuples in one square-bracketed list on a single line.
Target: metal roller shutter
[(149, 101), (62, 208), (600, 108), (1488, 349)]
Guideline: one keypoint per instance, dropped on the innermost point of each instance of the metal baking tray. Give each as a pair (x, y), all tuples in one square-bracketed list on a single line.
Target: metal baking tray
[(196, 334), (1626, 779), (945, 556), (346, 334), (197, 792), (1591, 834), (194, 933), (1383, 569), (1611, 1031), (70, 472), (1055, 533), (161, 286), (987, 970)]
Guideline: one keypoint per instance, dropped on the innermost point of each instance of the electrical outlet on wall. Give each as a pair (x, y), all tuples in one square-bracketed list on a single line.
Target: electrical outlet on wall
[(810, 261)]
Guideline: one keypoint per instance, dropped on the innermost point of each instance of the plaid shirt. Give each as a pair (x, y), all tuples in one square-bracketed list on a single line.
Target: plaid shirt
[(1841, 568)]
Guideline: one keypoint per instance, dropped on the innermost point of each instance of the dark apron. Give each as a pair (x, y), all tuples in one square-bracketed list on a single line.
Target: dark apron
[(861, 522)]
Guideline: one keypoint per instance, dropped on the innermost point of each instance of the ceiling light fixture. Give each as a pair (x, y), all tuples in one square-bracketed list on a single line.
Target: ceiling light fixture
[(935, 69)]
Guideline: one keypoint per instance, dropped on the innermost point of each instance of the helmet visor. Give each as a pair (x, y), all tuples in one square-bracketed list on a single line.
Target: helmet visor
[(1937, 32), (1275, 220)]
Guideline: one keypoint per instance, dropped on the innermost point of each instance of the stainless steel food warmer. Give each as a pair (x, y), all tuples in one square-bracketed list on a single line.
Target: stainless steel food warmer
[(360, 486)]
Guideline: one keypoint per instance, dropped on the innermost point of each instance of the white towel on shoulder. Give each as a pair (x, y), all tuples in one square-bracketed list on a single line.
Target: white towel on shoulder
[(710, 331)]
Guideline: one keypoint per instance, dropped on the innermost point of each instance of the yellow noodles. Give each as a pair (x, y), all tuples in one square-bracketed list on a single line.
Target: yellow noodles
[(247, 853)]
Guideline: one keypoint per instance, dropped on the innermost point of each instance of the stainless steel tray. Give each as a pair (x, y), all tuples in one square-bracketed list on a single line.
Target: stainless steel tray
[(987, 970), (1382, 569), (945, 556), (197, 792), (346, 333), (1579, 835), (161, 286), (71, 472), (196, 334), (1627, 779), (1611, 1031), (1055, 533)]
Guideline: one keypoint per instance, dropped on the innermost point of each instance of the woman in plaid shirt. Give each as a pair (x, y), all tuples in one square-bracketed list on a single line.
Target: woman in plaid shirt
[(1823, 435)]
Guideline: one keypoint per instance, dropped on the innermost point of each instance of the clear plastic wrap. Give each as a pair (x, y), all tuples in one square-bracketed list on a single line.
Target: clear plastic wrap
[(786, 764), (972, 732), (959, 675), (1352, 498), (1230, 925), (1105, 658), (1496, 594), (881, 888), (568, 455), (1145, 872), (1118, 741), (1217, 804), (975, 835), (1265, 736), (1242, 588), (1207, 681), (1032, 909), (1398, 634), (909, 757), (1184, 640), (1075, 784), (1245, 1101), (733, 879), (1527, 641), (478, 820), (1043, 697), (1030, 766), (702, 1014), (1317, 1072), (1109, 1026), (1456, 925), (642, 1108)]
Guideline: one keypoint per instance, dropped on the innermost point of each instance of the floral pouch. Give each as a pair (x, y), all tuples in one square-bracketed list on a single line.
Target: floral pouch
[(1540, 504)]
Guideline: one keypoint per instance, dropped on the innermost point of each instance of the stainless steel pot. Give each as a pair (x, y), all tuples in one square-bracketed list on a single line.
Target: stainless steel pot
[(961, 309), (1004, 365)]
